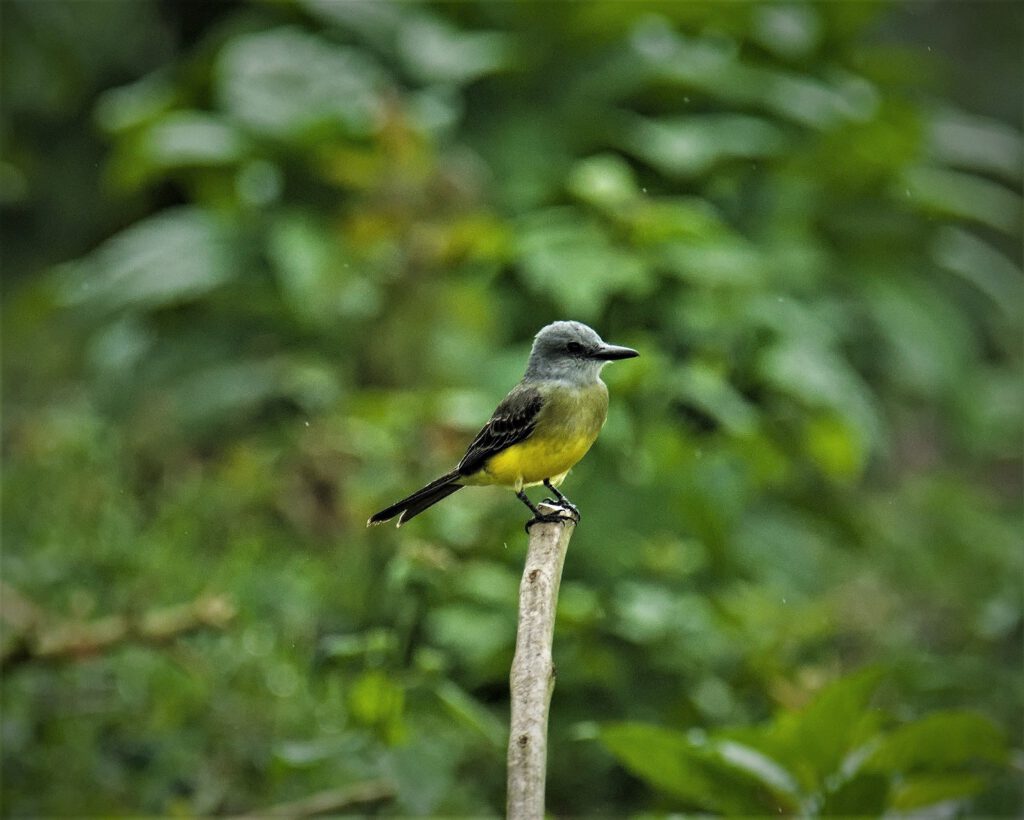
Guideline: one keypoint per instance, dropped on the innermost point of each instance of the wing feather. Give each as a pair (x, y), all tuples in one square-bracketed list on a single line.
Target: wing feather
[(512, 422)]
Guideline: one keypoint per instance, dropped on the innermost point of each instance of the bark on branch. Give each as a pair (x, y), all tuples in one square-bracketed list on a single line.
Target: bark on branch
[(41, 636), (533, 671)]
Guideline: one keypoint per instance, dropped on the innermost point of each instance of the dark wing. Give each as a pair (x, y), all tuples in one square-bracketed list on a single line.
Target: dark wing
[(511, 423)]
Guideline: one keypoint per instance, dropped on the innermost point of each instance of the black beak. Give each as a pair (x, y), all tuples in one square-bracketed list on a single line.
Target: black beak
[(610, 353)]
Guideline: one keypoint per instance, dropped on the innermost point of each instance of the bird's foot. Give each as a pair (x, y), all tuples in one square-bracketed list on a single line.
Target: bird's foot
[(561, 501), (566, 505), (545, 518), (559, 514)]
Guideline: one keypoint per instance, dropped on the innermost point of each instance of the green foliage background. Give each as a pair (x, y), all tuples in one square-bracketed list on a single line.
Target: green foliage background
[(268, 266)]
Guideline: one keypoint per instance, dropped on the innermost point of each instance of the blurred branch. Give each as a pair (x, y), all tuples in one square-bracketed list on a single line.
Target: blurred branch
[(330, 801), (40, 636), (533, 671)]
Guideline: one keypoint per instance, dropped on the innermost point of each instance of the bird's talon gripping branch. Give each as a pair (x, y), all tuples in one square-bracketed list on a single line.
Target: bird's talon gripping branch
[(546, 518), (561, 501)]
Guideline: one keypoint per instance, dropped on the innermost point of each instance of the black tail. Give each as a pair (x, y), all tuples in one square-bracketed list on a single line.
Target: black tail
[(419, 500)]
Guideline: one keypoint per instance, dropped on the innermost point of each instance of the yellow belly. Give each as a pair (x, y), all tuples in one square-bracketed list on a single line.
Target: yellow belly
[(534, 460), (567, 425)]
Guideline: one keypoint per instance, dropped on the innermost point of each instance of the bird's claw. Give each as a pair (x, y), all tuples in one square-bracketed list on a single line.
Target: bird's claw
[(566, 505), (545, 518), (555, 517)]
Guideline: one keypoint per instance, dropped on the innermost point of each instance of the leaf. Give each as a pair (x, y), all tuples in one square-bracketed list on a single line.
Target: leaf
[(727, 261), (759, 765), (690, 146), (191, 139), (964, 196), (606, 181), (689, 771), (574, 262), (167, 259), (792, 31), (434, 52), (373, 22), (231, 390), (986, 268), (920, 792), (648, 612), (467, 709), (320, 279), (423, 770), (376, 700), (835, 446), (928, 341), (820, 378), (488, 583), (976, 143), (813, 743), (707, 387), (129, 106), (941, 741), (285, 83), (653, 221), (712, 65), (476, 635), (864, 794)]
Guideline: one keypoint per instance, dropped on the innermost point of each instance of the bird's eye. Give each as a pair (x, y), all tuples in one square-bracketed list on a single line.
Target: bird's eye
[(574, 348)]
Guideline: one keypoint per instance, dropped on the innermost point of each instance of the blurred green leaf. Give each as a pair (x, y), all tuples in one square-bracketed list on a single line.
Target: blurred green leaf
[(320, 280), (865, 794), (820, 378), (926, 340), (167, 259), (376, 700), (990, 271), (916, 793), (725, 262), (692, 146), (436, 53), (690, 771), (977, 143), (836, 447), (180, 140), (288, 84), (940, 742), (813, 743), (662, 220), (473, 634), (605, 180), (967, 196), (708, 388), (788, 29), (574, 262), (136, 104), (467, 709)]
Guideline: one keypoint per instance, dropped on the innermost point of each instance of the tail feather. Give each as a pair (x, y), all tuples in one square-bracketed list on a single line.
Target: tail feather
[(416, 503)]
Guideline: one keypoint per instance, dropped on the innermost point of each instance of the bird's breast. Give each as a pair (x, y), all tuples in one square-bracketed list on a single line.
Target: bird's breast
[(566, 428)]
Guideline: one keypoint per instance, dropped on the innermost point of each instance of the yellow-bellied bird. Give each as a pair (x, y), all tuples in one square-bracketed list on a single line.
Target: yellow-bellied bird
[(541, 428)]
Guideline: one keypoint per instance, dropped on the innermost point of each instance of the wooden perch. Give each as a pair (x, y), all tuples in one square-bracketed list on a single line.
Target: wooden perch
[(40, 636), (533, 671)]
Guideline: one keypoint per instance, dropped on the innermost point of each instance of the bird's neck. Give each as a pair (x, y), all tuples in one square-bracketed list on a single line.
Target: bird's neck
[(572, 374)]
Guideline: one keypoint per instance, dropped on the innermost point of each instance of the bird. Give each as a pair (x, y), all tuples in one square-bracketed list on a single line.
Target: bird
[(539, 431)]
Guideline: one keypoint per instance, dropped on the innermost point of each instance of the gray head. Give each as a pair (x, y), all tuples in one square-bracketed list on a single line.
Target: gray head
[(573, 352)]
